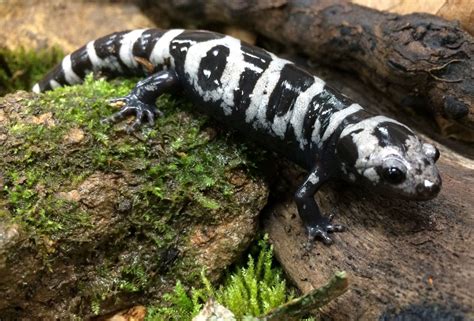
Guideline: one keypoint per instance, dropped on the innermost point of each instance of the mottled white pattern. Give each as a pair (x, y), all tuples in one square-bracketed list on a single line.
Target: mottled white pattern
[(369, 152), (313, 178), (256, 112), (410, 156), (69, 74), (287, 85), (429, 150), (371, 174), (316, 134), (126, 48), (415, 153), (161, 50), (337, 118), (300, 108), (371, 123), (280, 124), (229, 80), (410, 159), (383, 130)]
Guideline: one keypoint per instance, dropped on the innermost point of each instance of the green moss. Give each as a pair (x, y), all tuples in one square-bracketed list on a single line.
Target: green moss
[(21, 68), (251, 290), (185, 170), (179, 172), (133, 278)]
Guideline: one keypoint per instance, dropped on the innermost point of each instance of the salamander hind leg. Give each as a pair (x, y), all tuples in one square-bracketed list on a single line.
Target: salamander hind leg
[(141, 101), (317, 225)]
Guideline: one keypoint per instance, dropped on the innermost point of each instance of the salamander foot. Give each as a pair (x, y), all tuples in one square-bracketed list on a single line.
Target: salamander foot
[(131, 105), (321, 228)]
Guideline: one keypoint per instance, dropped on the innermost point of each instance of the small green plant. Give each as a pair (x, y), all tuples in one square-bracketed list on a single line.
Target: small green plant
[(133, 278), (253, 289), (21, 68), (181, 305)]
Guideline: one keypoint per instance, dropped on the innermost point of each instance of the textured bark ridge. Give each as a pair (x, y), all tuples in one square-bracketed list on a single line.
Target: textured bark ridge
[(396, 253), (419, 60)]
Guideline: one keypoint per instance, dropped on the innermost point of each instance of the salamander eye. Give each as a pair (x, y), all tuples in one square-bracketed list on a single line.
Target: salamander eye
[(436, 156), (431, 152), (393, 175), (393, 170)]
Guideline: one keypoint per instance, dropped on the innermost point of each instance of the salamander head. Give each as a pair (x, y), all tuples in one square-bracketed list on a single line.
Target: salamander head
[(389, 157)]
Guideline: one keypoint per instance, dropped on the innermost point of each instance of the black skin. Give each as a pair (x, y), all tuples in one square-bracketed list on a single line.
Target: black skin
[(316, 224), (141, 100), (141, 103)]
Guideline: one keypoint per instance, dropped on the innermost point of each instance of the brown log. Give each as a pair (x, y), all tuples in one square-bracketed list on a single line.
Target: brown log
[(461, 10), (396, 253), (417, 59)]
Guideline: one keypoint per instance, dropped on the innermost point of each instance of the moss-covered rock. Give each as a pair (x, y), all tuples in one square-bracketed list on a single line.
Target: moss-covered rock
[(93, 219)]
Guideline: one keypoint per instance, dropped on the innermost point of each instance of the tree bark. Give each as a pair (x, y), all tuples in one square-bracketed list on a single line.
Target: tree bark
[(417, 59), (396, 252)]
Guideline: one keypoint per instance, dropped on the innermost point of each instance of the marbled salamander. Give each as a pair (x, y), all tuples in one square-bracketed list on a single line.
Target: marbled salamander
[(274, 102)]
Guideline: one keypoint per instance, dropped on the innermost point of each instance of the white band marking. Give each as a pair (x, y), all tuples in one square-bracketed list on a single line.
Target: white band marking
[(126, 48), (69, 74), (161, 50), (36, 89)]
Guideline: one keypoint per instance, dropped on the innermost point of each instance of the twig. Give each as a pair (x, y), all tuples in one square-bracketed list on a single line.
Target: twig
[(297, 308)]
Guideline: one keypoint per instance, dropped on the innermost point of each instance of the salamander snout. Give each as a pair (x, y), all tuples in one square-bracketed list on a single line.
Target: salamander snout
[(391, 159), (428, 189), (414, 177), (428, 184)]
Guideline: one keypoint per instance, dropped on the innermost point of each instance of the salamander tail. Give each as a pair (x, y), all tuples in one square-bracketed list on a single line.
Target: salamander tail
[(113, 55)]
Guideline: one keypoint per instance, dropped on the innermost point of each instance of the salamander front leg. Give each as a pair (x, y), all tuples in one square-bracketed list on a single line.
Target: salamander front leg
[(316, 224), (141, 101)]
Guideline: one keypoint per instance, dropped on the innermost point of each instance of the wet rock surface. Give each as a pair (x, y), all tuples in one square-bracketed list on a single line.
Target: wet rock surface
[(101, 223), (66, 24)]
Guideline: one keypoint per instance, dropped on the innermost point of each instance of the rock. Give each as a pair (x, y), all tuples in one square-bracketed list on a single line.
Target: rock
[(67, 24), (136, 313), (94, 225), (213, 311)]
